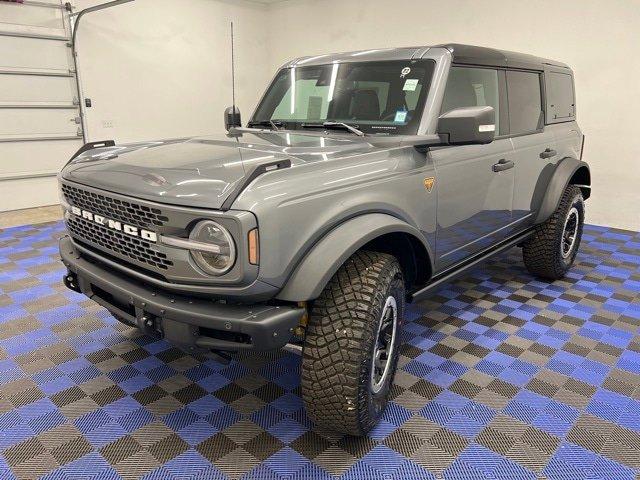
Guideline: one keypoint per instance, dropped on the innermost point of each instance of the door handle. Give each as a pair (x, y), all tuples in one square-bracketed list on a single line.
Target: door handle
[(548, 153), (502, 165)]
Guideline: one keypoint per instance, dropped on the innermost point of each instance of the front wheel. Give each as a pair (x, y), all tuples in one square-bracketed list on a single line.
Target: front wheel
[(550, 252), (350, 352)]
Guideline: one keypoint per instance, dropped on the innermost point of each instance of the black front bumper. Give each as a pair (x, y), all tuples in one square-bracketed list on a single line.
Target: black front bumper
[(185, 320)]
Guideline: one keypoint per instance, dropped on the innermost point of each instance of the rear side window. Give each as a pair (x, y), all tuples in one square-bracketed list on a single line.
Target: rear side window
[(472, 87), (525, 102), (560, 97)]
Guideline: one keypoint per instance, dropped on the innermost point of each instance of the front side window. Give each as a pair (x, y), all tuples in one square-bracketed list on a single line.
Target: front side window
[(376, 97), (472, 87), (525, 102)]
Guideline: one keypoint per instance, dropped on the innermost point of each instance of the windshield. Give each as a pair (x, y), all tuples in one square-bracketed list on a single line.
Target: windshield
[(375, 97)]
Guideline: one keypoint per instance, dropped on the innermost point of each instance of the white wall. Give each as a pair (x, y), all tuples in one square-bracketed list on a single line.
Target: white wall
[(598, 38), (161, 68)]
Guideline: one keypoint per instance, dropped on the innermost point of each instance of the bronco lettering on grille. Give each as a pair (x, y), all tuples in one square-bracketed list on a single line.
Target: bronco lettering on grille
[(115, 225)]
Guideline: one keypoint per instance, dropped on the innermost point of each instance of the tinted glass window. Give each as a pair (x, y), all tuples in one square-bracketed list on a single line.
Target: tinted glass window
[(525, 102), (378, 97), (472, 87), (560, 96)]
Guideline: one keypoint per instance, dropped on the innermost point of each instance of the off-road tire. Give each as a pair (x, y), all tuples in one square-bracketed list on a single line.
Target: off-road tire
[(340, 338), (542, 252)]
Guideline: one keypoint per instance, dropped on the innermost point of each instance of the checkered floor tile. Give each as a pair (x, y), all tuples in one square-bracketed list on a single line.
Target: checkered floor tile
[(501, 376)]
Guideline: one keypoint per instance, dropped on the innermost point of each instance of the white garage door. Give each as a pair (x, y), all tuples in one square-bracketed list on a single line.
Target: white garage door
[(39, 114)]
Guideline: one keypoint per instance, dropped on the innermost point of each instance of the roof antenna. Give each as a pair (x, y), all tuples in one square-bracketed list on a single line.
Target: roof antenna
[(232, 114), (233, 72)]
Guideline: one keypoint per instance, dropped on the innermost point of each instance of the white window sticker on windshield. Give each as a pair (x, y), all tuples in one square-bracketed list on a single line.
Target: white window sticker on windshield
[(404, 72), (410, 84), (401, 116)]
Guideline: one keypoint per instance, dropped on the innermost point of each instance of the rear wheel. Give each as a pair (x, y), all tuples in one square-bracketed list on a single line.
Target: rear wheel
[(350, 352), (550, 252)]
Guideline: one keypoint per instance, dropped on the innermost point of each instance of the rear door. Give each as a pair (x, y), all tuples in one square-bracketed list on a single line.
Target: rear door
[(39, 111), (534, 144), (474, 200)]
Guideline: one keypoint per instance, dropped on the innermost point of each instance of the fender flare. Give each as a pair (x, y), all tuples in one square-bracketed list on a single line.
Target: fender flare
[(324, 259), (558, 183)]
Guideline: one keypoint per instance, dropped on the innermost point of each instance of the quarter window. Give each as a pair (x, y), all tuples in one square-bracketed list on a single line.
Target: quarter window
[(472, 87), (560, 97), (525, 102)]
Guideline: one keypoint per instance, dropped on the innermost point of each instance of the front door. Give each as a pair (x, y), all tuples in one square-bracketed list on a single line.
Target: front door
[(475, 182), (474, 201)]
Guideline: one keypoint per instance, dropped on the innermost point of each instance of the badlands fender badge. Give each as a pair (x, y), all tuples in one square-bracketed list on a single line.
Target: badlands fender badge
[(428, 183)]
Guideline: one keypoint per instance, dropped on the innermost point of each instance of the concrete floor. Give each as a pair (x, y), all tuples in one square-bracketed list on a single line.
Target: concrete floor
[(30, 216)]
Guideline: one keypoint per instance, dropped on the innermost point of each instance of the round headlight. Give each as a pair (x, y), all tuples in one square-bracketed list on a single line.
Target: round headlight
[(220, 258)]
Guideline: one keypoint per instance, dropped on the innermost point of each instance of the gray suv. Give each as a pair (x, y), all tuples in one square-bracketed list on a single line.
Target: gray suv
[(363, 181)]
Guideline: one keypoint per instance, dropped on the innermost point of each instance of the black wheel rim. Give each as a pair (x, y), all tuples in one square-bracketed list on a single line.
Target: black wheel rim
[(569, 232), (384, 345)]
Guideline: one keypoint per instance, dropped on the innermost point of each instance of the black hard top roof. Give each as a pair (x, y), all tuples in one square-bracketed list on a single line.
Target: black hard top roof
[(473, 55), (462, 54)]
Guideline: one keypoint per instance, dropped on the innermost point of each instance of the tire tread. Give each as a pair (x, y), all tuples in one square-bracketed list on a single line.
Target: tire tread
[(341, 328), (541, 252)]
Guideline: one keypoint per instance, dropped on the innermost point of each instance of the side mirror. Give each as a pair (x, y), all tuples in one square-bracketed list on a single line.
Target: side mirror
[(468, 125), (232, 118)]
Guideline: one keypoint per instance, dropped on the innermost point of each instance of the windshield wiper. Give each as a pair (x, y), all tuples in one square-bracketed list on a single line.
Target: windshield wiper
[(342, 125), (274, 124)]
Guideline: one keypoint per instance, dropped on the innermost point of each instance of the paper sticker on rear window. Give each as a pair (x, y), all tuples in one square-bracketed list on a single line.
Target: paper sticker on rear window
[(410, 84), (401, 116)]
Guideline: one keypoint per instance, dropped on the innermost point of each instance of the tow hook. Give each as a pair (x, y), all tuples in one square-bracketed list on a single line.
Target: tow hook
[(148, 323), (70, 280)]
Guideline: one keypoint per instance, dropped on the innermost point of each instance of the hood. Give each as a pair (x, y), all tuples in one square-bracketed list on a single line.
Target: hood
[(200, 171)]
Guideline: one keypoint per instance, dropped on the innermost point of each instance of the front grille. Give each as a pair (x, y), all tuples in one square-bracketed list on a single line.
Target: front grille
[(114, 209), (109, 239)]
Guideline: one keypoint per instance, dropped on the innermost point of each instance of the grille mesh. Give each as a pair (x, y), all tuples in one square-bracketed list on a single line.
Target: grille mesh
[(118, 242), (125, 211)]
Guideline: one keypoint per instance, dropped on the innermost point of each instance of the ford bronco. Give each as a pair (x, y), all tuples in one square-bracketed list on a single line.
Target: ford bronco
[(363, 180)]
